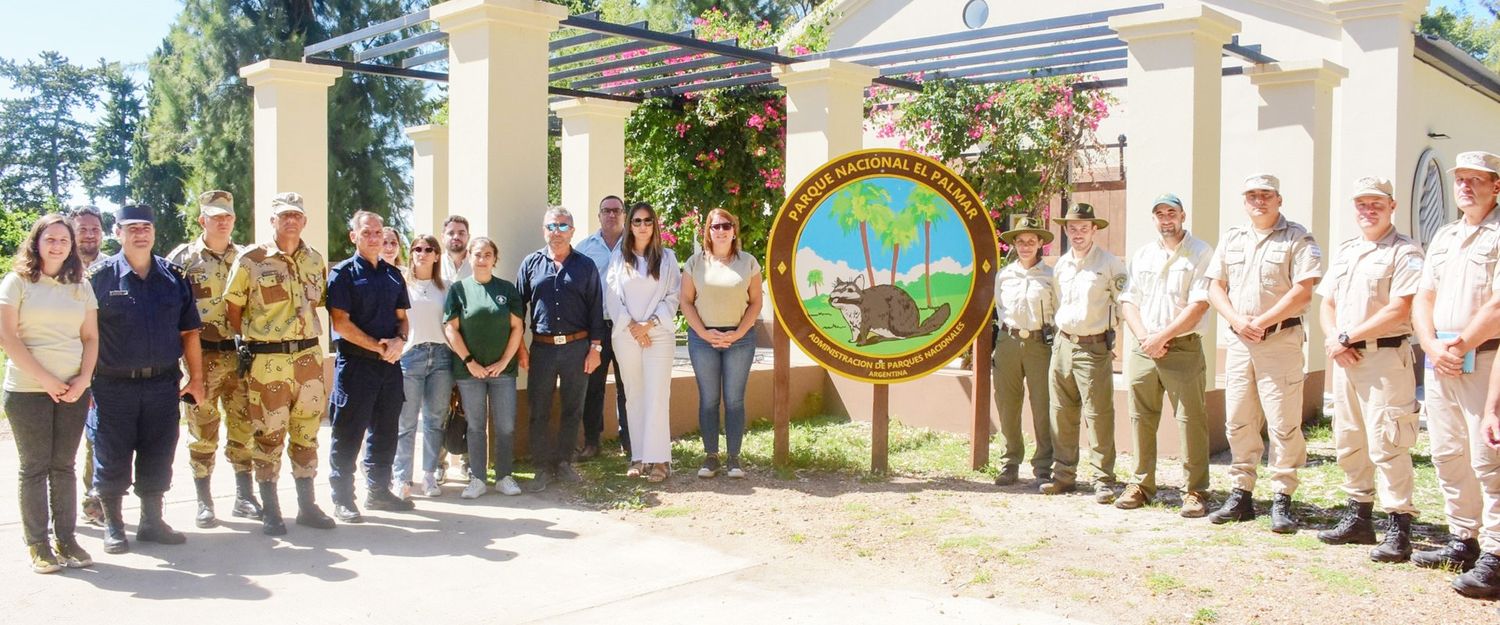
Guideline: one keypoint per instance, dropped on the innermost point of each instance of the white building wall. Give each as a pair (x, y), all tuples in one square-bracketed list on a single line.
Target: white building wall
[(1447, 107)]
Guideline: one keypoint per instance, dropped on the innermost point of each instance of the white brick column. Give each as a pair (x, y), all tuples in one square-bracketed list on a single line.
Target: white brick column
[(429, 172), (593, 156)]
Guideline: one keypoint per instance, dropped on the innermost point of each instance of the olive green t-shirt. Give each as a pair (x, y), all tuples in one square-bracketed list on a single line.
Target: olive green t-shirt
[(483, 312)]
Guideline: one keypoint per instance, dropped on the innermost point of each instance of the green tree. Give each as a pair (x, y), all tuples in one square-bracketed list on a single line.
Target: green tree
[(860, 206), (113, 136), (815, 280), (926, 206), (1477, 35), (200, 122), (45, 142), (896, 231)]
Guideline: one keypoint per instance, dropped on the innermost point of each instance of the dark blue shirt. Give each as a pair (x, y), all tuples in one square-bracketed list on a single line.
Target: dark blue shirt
[(371, 294), (141, 321), (562, 300)]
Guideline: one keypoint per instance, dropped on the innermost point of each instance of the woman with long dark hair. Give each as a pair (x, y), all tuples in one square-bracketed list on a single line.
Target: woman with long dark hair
[(641, 296), (426, 370), (721, 301), (49, 331)]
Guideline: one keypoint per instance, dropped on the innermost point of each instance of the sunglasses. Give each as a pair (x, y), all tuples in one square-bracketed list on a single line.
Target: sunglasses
[(423, 250), (723, 225), (559, 227), (642, 221)]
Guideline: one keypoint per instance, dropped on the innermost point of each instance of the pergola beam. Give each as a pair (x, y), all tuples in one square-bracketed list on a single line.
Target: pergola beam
[(405, 21)]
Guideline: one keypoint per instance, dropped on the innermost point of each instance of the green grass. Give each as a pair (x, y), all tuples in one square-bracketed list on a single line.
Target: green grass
[(1159, 583), (1343, 582), (1204, 616)]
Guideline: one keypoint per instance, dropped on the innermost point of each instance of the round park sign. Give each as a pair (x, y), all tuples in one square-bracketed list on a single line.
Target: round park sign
[(882, 265)]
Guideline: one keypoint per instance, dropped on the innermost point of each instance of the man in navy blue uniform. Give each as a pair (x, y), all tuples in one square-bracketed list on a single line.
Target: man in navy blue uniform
[(148, 319), (367, 305), (566, 313)]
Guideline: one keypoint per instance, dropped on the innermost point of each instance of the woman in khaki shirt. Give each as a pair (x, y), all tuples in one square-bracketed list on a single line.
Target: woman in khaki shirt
[(48, 329), (721, 299)]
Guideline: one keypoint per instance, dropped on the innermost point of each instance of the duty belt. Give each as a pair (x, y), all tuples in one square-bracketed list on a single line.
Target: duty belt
[(1083, 340), (1285, 323), (218, 346), (1488, 346), (559, 339), (345, 348), (1018, 333), (281, 347), (136, 374), (1389, 341)]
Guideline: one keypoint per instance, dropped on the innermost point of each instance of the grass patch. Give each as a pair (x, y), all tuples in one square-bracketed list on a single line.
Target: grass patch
[(1087, 573), (1159, 583), (1204, 616), (672, 511), (1343, 582)]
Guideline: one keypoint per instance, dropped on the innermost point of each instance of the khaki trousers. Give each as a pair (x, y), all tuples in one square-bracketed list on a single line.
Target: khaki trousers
[(1082, 382), (1263, 387), (1021, 368), (1179, 374), (226, 403), (1375, 425), (1468, 470)]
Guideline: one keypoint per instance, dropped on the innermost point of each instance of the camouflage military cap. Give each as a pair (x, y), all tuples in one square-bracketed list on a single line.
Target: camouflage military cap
[(287, 203), (215, 203)]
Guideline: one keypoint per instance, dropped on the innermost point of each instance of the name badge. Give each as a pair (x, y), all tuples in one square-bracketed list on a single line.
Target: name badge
[(270, 280), (361, 282), (119, 293)]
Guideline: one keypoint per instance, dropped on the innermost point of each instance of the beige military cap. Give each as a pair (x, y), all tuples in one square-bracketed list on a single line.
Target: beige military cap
[(215, 203), (286, 203), (1372, 185), (1481, 161), (1262, 182)]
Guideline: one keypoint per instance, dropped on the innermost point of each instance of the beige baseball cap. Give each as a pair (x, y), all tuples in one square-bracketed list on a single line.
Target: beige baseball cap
[(215, 203), (1372, 185), (1477, 160), (1262, 182), (287, 203)]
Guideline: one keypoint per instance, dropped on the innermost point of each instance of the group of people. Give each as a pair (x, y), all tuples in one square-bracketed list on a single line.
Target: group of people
[(98, 348), (1380, 294)]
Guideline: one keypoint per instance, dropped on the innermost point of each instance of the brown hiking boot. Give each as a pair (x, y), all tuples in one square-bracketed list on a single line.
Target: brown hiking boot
[(1194, 504), (1057, 487), (1133, 497)]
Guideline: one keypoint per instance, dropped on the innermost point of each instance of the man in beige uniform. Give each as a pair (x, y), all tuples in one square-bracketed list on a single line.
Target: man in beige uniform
[(1024, 302), (1366, 317), (1456, 315), (206, 261), (1165, 304), (1089, 280), (1263, 278)]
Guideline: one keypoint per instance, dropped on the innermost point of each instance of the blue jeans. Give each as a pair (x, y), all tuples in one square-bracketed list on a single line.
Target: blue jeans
[(427, 381), (723, 372), (500, 395)]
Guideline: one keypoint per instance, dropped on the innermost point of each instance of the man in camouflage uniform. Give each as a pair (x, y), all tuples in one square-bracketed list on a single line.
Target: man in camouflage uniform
[(207, 261), (274, 292)]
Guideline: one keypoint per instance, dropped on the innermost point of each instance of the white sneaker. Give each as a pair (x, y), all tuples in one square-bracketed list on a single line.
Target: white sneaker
[(475, 488), (507, 486), (430, 486), (403, 492)]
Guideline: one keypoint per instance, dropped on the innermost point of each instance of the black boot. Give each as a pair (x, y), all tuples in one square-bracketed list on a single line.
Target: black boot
[(382, 499), (308, 513), (1457, 555), (1356, 528), (270, 515), (205, 518), (245, 505), (1482, 581), (1240, 506), (1397, 544), (114, 526), (1282, 520), (153, 529)]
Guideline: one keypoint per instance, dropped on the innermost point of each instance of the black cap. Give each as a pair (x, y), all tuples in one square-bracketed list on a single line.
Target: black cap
[(135, 213)]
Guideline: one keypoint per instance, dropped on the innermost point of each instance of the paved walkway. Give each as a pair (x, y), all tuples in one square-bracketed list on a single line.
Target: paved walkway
[(492, 560)]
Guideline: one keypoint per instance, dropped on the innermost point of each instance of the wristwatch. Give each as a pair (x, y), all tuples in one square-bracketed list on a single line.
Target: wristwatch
[(655, 321), (468, 359), (598, 347), (1344, 339)]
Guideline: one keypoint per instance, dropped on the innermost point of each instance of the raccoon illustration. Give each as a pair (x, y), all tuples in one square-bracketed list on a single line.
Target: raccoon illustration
[(882, 312)]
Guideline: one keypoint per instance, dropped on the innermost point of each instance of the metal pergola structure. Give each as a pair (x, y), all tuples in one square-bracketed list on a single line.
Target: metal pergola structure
[(630, 62)]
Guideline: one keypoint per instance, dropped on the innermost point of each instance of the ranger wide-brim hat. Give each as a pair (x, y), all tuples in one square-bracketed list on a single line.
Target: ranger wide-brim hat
[(1027, 225), (1083, 212)]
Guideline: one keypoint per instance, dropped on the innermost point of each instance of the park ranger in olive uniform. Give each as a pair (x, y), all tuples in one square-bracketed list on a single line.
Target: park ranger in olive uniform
[(1024, 302), (1263, 278), (206, 261), (1166, 305), (274, 293), (1366, 317), (1456, 315), (1089, 280)]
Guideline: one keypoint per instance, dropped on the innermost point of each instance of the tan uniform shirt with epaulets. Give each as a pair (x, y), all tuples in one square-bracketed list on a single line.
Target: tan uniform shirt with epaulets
[(1024, 298), (208, 273), (1366, 275), (1461, 270), (1088, 291), (1163, 282), (280, 293), (1260, 269)]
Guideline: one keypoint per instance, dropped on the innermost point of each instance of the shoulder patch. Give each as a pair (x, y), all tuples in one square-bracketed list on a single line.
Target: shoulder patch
[(1414, 263)]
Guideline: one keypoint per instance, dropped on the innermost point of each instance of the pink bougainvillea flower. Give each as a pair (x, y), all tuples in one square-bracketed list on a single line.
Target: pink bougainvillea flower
[(756, 121)]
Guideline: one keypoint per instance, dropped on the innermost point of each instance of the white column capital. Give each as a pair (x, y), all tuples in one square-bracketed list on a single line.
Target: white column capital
[(1350, 10), (827, 70), (1320, 72), (427, 132), (456, 15), (1197, 20), (277, 71), (592, 107)]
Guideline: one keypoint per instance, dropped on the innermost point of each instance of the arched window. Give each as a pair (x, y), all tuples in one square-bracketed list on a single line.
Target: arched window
[(1429, 196)]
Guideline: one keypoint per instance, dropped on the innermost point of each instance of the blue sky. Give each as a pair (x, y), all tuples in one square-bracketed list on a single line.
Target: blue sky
[(834, 245), (84, 30)]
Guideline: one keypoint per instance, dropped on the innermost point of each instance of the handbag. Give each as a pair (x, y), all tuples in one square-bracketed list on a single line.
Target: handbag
[(456, 429)]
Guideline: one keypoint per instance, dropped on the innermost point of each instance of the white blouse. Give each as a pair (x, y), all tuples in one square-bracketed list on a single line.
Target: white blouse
[(633, 294), (426, 313)]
